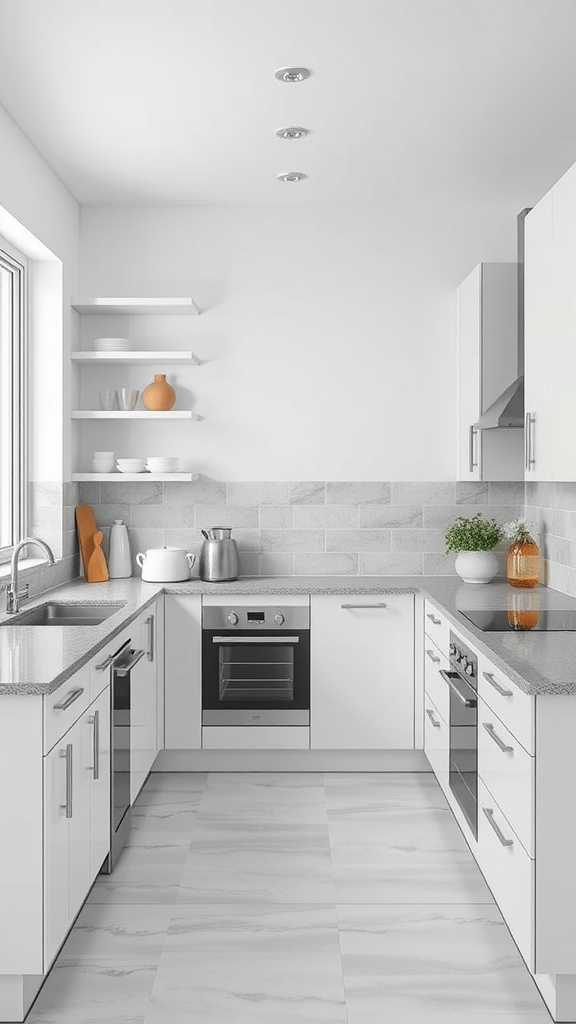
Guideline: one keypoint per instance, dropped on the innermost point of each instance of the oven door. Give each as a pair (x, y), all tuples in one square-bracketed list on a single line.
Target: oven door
[(257, 678), (463, 764)]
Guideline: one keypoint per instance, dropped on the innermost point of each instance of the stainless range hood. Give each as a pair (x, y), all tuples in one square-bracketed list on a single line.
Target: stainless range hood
[(508, 409)]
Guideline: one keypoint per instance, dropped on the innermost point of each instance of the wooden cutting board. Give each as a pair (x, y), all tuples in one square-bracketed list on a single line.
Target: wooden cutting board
[(97, 568), (86, 527)]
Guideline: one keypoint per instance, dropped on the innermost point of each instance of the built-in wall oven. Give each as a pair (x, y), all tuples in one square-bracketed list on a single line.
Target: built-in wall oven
[(120, 664), (256, 665), (462, 679)]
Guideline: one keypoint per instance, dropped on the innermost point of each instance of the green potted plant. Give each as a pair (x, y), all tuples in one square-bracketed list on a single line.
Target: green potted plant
[(473, 540)]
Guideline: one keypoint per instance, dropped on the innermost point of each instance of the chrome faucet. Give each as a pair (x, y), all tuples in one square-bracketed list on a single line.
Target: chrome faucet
[(13, 596)]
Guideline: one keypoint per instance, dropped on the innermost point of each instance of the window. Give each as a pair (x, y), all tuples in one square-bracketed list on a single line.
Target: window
[(13, 476)]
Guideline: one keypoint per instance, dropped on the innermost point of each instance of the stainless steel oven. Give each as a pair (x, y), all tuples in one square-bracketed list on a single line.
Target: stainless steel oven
[(256, 665), (462, 680)]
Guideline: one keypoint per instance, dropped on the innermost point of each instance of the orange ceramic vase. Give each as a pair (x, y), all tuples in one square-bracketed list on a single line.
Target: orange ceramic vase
[(523, 568), (159, 396)]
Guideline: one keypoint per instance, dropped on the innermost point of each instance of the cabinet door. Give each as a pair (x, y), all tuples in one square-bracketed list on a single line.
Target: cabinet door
[(562, 313), (79, 877), (362, 672), (99, 732), (143, 711), (57, 780), (183, 666), (469, 320), (539, 339), (436, 741)]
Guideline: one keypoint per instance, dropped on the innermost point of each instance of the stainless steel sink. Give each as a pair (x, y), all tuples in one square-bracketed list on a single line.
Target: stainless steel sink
[(55, 614)]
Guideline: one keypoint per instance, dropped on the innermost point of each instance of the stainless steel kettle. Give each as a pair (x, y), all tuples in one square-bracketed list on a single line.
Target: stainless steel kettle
[(219, 556)]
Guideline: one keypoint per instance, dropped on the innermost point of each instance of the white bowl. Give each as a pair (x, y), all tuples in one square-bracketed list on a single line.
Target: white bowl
[(125, 462), (131, 469), (110, 344), (136, 467)]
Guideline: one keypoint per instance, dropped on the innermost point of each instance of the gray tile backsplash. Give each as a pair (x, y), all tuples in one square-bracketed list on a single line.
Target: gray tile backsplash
[(318, 528), (553, 508)]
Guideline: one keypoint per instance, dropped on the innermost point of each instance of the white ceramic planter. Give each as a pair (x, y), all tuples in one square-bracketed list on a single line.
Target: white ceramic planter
[(476, 566)]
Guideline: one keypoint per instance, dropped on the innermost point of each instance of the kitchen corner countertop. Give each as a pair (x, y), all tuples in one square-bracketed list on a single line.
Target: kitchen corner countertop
[(37, 660)]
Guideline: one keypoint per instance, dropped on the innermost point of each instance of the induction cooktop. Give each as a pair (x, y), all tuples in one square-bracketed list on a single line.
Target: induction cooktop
[(523, 621)]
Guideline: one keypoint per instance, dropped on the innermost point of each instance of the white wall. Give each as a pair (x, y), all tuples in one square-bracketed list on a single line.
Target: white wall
[(33, 198), (329, 334)]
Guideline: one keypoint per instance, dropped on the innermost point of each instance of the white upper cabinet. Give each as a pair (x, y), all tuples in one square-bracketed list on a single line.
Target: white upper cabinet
[(487, 323), (539, 340), (562, 320)]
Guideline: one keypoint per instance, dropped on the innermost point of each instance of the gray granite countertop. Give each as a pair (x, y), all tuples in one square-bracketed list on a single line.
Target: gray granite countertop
[(37, 660)]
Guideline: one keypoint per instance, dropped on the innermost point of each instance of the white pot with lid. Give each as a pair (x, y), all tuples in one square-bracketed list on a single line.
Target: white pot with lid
[(165, 565)]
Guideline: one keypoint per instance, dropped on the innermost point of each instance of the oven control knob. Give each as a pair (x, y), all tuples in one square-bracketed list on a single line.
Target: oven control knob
[(469, 670), (452, 649), (279, 619), (233, 619)]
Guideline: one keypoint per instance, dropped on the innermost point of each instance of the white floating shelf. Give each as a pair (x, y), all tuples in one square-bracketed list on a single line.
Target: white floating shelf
[(154, 358), (137, 307), (136, 414), (134, 477)]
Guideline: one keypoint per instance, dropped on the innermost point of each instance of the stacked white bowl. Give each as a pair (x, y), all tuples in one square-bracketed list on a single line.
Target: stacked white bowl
[(131, 465), (110, 344), (159, 464)]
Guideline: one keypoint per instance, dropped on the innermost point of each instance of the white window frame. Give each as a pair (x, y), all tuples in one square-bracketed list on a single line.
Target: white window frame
[(16, 264)]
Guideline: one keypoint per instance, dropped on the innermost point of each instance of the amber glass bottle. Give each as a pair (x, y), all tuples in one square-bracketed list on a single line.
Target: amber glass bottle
[(523, 563)]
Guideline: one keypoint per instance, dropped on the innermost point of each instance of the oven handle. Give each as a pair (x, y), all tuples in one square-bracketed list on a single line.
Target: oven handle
[(468, 702), (255, 639)]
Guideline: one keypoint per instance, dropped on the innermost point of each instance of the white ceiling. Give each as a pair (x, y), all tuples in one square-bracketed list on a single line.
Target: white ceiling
[(175, 101)]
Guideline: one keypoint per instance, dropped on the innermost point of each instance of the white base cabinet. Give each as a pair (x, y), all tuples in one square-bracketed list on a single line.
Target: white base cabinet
[(183, 667), (362, 672), (76, 819)]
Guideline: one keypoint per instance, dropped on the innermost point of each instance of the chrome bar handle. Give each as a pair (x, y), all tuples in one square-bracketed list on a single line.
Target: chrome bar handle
[(468, 702), (531, 419), (381, 604), (437, 622), (489, 812), (527, 441), (255, 639), (150, 651), (489, 677), (72, 696), (432, 719), (433, 657), (124, 670), (95, 723), (494, 736), (111, 657), (68, 755), (472, 433)]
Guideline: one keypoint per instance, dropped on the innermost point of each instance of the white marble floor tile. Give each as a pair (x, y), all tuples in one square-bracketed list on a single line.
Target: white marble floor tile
[(429, 963), (143, 875), (123, 934), (421, 878), (395, 835), (166, 818), (94, 994), (265, 797), (172, 788), (368, 796), (231, 863), (238, 965)]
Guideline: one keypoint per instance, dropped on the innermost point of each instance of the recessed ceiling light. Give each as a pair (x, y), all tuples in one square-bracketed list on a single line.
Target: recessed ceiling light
[(292, 74), (292, 133), (292, 176)]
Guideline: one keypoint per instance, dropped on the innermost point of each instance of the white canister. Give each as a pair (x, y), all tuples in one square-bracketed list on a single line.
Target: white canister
[(119, 561), (103, 462)]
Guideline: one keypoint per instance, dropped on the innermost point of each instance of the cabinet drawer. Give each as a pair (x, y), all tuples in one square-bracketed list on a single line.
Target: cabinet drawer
[(513, 707), (508, 870), (100, 664), (437, 627), (436, 741), (436, 687), (256, 738), (507, 773), (63, 707)]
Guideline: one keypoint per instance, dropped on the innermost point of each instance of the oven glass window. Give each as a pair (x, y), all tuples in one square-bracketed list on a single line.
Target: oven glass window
[(255, 673)]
